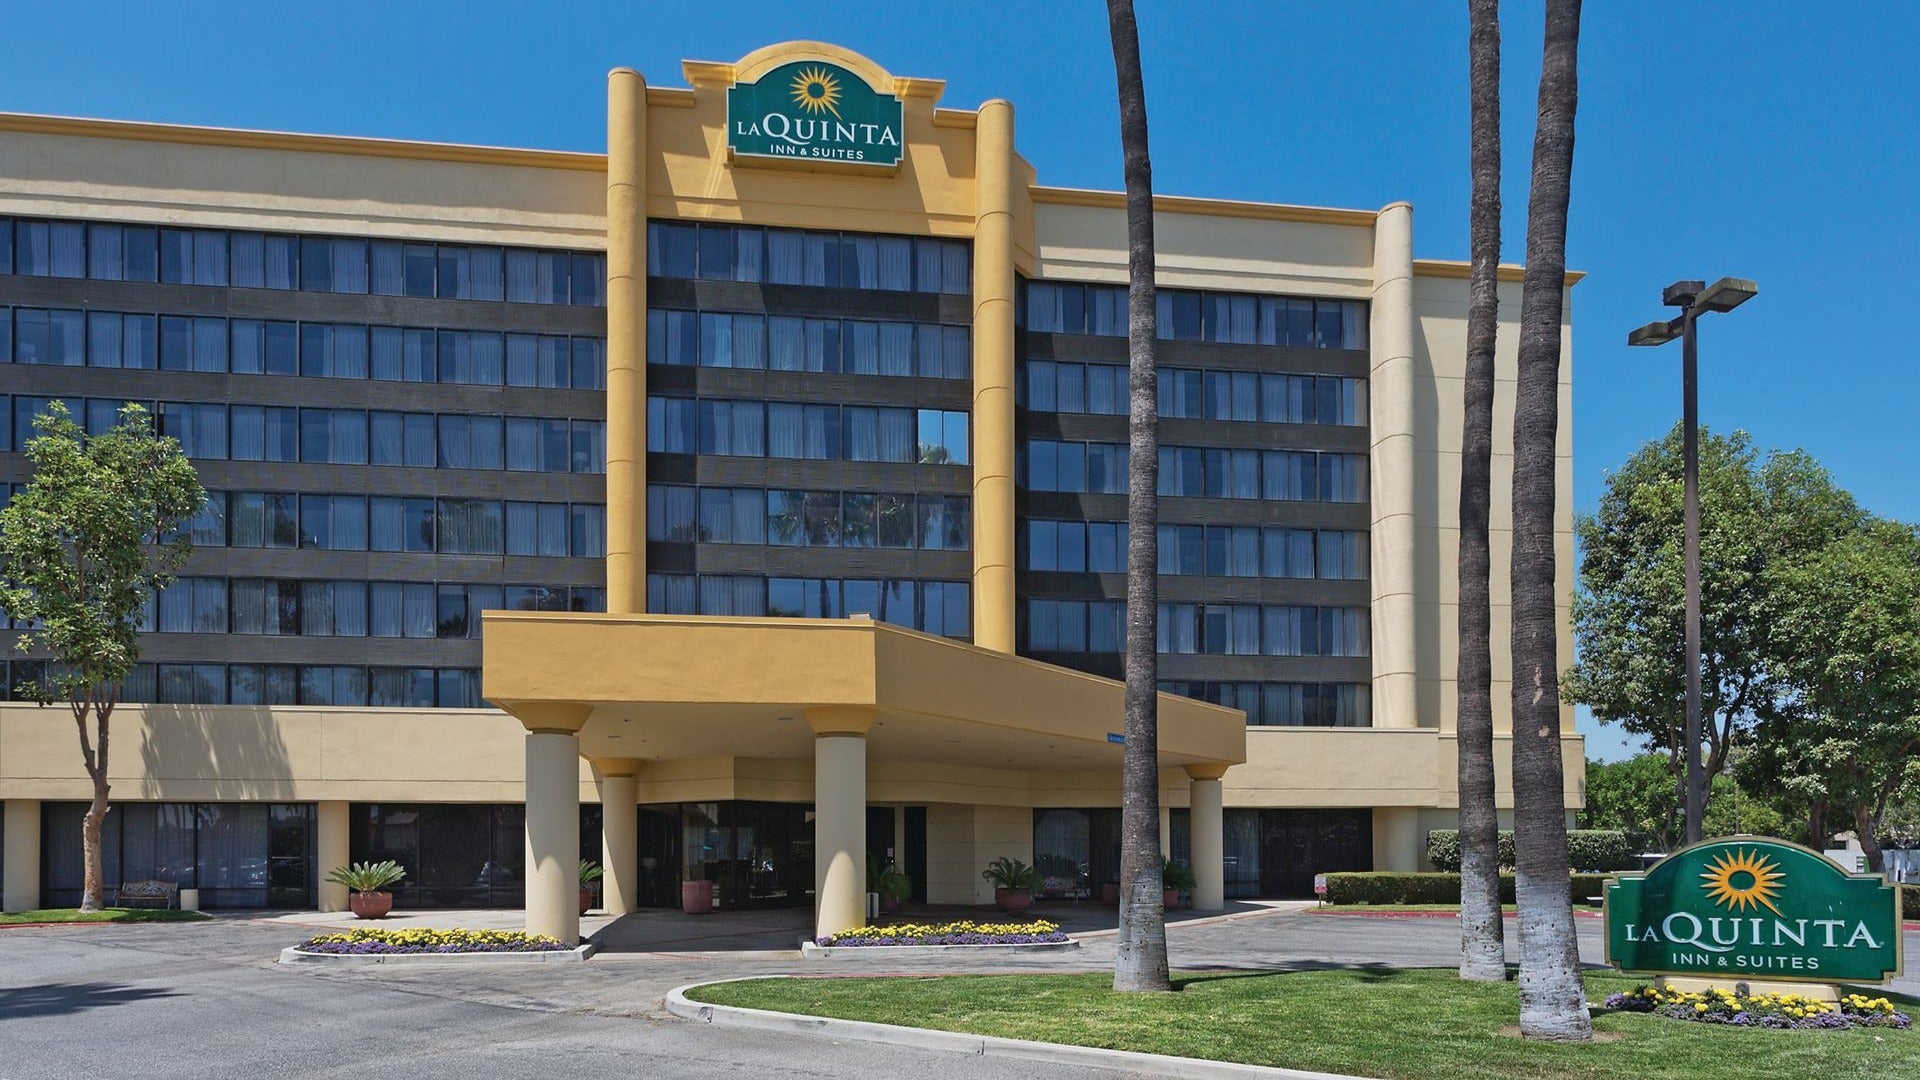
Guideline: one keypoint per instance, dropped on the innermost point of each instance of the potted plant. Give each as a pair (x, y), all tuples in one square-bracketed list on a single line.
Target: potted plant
[(1013, 884), (893, 886), (590, 872), (1177, 880), (366, 884)]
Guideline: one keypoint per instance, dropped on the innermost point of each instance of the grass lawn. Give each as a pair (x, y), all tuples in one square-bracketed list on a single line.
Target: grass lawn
[(1397, 1024), (116, 914)]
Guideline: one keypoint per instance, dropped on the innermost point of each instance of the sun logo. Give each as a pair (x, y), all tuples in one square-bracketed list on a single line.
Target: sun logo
[(817, 90), (1743, 880)]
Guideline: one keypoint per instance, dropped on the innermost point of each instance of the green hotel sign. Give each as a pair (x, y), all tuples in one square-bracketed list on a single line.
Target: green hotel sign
[(811, 110), (1754, 908)]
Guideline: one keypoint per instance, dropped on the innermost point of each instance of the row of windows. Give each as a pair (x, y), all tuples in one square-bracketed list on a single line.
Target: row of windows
[(853, 519), (810, 432), (935, 607), (1279, 704), (256, 519), (846, 260), (283, 684), (790, 343), (212, 431), (1199, 395), (382, 609), (341, 264), (1195, 315), (111, 339), (1100, 626), (1205, 472), (1100, 547)]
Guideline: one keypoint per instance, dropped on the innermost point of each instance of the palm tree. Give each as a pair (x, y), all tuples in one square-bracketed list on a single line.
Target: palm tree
[(1552, 998), (1140, 961), (1483, 947)]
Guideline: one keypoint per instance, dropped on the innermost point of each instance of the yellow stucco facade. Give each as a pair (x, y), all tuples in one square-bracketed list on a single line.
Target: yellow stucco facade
[(692, 709)]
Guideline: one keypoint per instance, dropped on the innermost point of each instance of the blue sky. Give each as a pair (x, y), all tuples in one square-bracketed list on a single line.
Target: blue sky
[(1771, 141)]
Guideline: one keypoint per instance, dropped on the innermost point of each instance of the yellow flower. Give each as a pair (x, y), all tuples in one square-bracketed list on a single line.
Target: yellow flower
[(1699, 1008)]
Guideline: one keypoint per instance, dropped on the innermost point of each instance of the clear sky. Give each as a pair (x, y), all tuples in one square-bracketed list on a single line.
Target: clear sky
[(1774, 141)]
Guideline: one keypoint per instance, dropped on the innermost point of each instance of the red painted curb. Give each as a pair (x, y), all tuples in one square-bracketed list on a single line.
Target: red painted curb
[(1421, 914)]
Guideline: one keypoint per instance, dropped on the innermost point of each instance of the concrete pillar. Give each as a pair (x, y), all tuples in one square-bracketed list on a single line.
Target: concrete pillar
[(331, 850), (553, 818), (22, 869), (993, 378), (1207, 820), (619, 834), (626, 341), (1390, 394), (1166, 830), (839, 817)]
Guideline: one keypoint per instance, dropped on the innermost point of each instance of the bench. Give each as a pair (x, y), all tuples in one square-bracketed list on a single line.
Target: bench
[(166, 894)]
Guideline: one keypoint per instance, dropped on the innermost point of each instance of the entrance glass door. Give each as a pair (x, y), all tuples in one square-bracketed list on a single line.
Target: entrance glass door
[(757, 854), (290, 856)]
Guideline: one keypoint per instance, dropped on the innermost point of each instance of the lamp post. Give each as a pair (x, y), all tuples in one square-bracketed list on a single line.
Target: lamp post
[(1694, 299)]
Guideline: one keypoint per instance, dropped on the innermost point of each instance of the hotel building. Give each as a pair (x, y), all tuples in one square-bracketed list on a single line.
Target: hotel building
[(738, 504)]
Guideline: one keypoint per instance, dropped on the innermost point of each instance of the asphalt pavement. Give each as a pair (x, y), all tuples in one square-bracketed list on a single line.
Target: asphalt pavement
[(207, 1000)]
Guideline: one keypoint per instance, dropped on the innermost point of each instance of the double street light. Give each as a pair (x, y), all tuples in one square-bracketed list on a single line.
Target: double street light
[(1694, 299)]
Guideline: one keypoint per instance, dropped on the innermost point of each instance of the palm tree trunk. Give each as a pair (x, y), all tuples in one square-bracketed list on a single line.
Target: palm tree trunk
[(1552, 998), (1483, 949), (1140, 961)]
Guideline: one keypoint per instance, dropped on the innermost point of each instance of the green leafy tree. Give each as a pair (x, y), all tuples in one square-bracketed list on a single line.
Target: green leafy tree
[(1640, 795), (82, 550), (1849, 744), (1756, 517)]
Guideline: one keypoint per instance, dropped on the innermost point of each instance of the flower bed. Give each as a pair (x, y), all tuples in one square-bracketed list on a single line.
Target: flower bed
[(373, 941), (1761, 1010), (963, 932)]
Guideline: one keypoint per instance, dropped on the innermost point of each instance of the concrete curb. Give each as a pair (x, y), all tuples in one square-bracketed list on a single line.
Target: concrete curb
[(979, 1045), (294, 955), (884, 952)]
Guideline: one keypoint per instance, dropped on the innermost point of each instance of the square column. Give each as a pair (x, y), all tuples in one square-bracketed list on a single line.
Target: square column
[(619, 834), (1207, 817), (839, 817), (331, 850), (23, 855)]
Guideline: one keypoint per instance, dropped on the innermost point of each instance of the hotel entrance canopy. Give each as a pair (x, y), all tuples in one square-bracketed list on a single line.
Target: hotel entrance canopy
[(628, 691), (667, 687)]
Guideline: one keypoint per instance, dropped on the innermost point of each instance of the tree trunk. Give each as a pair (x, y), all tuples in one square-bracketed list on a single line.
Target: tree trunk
[(1483, 950), (1140, 960), (1817, 834), (1552, 997), (94, 887), (1864, 827)]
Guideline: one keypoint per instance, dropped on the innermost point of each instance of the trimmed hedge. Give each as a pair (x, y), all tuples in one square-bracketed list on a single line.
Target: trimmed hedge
[(1596, 850), (1431, 888), (1910, 902)]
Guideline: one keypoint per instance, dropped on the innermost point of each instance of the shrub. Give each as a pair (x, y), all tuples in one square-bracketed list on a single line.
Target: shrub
[(1443, 849), (1602, 850), (1910, 902), (1431, 888), (590, 872), (1590, 849), (1177, 877)]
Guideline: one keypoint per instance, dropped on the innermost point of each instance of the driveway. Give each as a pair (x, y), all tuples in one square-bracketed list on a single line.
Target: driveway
[(206, 999)]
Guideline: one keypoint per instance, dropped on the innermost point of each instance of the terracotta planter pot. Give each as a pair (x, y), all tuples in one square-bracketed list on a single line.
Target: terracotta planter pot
[(1013, 901), (586, 898), (1171, 899), (889, 905), (1110, 893), (696, 897), (370, 905)]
